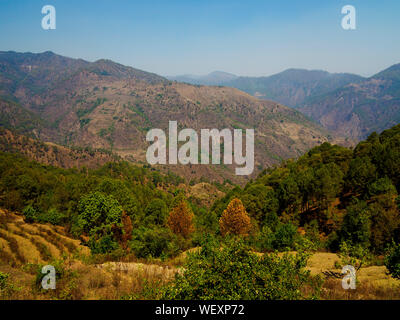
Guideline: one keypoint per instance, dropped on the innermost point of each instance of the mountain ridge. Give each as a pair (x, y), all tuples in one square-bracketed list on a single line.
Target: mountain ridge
[(114, 109), (351, 105)]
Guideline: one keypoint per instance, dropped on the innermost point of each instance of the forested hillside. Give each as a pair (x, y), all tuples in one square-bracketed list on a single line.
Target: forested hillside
[(331, 199), (332, 193)]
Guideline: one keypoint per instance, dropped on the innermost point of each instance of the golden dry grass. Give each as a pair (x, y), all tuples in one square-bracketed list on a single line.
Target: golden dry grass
[(373, 282), (33, 243)]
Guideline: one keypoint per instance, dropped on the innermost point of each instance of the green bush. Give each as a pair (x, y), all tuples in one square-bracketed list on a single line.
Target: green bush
[(234, 272), (156, 212), (381, 186), (52, 216), (285, 236), (392, 261), (266, 239), (66, 281), (3, 280), (98, 213), (30, 214), (155, 242), (356, 226), (312, 232), (103, 245), (355, 255), (6, 288)]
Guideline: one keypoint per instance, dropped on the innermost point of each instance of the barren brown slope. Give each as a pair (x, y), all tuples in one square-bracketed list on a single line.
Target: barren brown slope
[(52, 154), (118, 117), (358, 109), (102, 106)]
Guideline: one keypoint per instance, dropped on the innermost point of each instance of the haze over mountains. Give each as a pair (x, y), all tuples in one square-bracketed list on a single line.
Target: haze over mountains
[(348, 104), (106, 105), (213, 78)]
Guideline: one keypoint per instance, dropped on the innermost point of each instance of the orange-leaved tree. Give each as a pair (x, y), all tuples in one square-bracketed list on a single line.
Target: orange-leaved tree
[(180, 220), (234, 219), (127, 230)]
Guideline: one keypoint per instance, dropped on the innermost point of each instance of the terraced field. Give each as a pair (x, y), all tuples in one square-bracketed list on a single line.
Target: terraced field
[(22, 243)]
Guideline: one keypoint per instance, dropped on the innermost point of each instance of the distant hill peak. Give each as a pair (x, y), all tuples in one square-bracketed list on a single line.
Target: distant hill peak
[(391, 73), (212, 78)]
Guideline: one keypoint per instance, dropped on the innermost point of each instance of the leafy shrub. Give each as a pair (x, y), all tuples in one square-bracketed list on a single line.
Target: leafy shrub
[(285, 236), (3, 280), (312, 232), (234, 272), (206, 221), (266, 239), (354, 255), (52, 216), (382, 186), (305, 244), (66, 281), (392, 261), (103, 245), (156, 212), (261, 204), (6, 288), (155, 242), (98, 213), (356, 226), (30, 214)]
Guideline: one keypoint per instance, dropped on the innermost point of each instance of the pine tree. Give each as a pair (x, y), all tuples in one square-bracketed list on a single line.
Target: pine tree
[(180, 220), (234, 219), (127, 230)]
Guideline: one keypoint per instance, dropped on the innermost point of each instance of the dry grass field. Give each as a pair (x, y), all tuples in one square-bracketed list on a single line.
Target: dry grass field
[(373, 282)]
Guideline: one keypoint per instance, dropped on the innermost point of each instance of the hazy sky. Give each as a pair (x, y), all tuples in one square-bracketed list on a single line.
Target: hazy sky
[(247, 37)]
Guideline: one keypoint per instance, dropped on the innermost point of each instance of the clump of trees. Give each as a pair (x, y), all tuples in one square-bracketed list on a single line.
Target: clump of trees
[(115, 207), (329, 196), (100, 217)]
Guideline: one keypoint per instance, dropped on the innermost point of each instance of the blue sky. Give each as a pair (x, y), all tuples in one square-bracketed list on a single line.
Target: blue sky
[(251, 37)]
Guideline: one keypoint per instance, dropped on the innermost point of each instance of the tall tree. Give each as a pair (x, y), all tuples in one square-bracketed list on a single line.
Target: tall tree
[(234, 219), (180, 220)]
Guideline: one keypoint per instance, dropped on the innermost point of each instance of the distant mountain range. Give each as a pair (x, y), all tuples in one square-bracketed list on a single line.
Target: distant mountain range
[(105, 105), (211, 79), (348, 104)]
